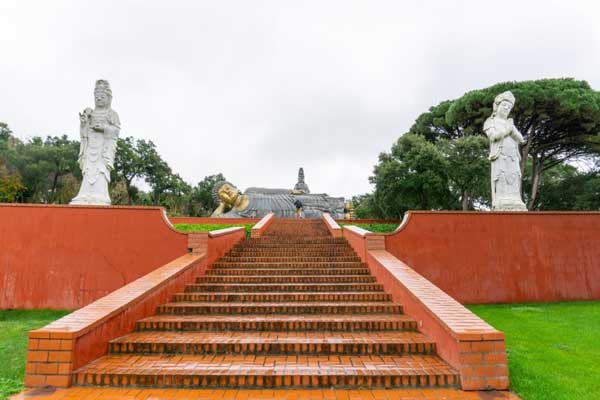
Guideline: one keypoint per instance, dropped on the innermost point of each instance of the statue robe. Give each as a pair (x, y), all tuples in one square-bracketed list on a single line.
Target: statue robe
[(97, 156), (505, 158)]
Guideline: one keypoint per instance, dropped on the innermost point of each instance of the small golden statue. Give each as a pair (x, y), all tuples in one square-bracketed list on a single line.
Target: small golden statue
[(349, 210)]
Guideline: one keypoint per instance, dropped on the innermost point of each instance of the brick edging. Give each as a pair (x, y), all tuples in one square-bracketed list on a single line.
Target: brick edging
[(465, 341), (55, 350), (261, 227), (332, 226)]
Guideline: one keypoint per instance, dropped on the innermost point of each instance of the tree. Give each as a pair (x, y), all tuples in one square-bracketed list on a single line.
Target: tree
[(365, 206), (62, 155), (5, 132), (559, 119), (468, 169), (44, 166), (46, 171), (11, 186), (566, 188), (412, 176), (131, 161), (201, 201)]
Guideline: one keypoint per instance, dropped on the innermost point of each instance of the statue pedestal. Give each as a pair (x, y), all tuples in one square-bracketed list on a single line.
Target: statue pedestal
[(509, 205)]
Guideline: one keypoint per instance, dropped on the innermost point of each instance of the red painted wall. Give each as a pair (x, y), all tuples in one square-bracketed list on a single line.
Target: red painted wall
[(65, 257), (503, 257)]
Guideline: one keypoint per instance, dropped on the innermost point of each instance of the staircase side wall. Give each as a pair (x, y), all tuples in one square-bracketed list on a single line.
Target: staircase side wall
[(466, 342)]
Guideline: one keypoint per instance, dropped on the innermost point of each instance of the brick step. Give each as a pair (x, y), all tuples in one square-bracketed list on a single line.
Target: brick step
[(291, 253), (293, 240), (220, 264), (304, 248), (288, 279), (250, 371), (290, 259), (295, 235), (284, 297), (200, 308), (330, 265), (323, 343), (291, 244), (283, 287), (288, 271), (344, 323)]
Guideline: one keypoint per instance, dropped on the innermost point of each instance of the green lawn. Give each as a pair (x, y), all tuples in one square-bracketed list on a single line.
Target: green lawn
[(381, 228), (553, 349), (211, 227), (14, 325)]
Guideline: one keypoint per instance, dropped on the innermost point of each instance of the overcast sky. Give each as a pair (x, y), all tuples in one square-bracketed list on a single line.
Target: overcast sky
[(257, 89)]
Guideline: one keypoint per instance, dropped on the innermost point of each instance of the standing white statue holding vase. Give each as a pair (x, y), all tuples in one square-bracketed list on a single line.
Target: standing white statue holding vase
[(505, 156), (99, 130)]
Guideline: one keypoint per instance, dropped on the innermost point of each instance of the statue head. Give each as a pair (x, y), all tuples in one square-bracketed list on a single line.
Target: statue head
[(301, 186), (503, 104), (226, 192), (102, 94), (301, 175)]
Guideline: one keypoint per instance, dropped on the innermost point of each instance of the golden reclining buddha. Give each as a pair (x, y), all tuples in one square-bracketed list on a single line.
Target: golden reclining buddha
[(258, 202)]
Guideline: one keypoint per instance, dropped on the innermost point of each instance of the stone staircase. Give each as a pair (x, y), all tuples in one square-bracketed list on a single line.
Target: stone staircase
[(294, 308)]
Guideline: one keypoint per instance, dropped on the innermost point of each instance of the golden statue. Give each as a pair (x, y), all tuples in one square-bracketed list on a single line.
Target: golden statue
[(349, 210), (229, 197)]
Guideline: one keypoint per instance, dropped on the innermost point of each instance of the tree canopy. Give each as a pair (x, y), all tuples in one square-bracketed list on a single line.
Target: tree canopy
[(560, 122), (46, 171)]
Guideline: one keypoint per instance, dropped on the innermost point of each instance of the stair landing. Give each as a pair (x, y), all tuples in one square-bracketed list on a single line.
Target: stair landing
[(85, 393)]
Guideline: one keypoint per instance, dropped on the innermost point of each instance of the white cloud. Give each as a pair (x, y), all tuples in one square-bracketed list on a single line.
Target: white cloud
[(257, 89)]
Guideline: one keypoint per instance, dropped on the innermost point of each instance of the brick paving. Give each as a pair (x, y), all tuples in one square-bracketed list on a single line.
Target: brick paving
[(81, 393)]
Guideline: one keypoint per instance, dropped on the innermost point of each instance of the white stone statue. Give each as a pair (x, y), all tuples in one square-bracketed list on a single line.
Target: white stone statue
[(505, 155), (99, 131)]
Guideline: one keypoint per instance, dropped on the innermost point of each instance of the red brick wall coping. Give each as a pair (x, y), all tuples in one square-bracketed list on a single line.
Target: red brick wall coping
[(469, 344), (409, 214), (38, 205), (259, 229), (95, 207), (332, 226), (225, 231)]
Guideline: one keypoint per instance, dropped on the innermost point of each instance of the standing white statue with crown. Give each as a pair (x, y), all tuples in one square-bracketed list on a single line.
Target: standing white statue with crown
[(505, 156), (99, 131)]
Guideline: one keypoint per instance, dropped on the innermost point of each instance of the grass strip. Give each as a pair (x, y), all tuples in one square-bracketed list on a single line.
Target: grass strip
[(14, 325), (553, 348)]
